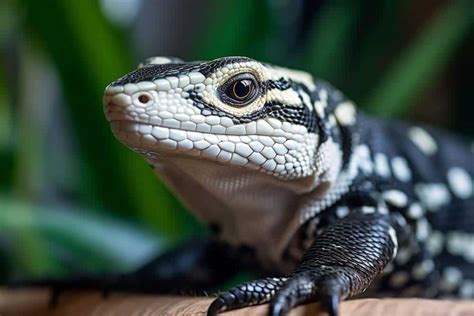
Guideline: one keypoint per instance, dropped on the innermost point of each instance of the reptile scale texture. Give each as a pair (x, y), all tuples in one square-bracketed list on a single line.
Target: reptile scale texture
[(319, 200)]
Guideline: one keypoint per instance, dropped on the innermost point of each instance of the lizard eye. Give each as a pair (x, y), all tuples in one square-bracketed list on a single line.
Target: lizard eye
[(144, 98), (239, 90)]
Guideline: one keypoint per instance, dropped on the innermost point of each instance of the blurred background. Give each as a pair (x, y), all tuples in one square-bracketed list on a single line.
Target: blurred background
[(73, 199)]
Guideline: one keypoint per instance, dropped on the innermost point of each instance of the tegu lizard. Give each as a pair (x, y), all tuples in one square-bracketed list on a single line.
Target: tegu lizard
[(322, 201)]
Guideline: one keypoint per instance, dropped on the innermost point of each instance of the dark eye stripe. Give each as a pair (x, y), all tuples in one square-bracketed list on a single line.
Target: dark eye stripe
[(300, 115)]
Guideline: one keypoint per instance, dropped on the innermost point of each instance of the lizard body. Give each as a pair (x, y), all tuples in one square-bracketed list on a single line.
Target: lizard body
[(327, 201)]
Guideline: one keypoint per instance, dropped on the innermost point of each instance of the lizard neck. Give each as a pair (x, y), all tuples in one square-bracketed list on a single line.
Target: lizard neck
[(249, 209)]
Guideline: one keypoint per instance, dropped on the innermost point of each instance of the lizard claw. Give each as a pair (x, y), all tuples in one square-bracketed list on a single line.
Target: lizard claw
[(217, 305), (303, 287), (247, 294), (330, 303), (297, 289)]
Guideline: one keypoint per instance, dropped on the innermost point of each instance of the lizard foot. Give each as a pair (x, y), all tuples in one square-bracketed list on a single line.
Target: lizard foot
[(284, 293)]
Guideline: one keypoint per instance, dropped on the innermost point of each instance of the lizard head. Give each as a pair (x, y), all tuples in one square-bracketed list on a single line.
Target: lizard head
[(233, 110)]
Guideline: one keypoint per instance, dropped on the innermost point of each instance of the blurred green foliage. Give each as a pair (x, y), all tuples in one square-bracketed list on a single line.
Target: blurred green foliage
[(77, 30), (89, 52), (419, 64), (110, 244)]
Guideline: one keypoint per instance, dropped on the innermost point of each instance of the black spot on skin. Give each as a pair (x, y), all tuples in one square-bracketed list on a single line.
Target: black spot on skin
[(280, 84)]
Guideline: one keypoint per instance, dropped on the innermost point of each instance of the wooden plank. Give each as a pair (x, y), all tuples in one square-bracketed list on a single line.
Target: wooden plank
[(35, 303)]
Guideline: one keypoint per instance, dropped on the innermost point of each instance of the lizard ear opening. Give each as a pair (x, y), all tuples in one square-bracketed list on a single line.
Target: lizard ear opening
[(160, 60)]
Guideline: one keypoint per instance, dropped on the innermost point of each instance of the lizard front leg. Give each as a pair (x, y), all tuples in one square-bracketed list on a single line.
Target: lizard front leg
[(343, 261)]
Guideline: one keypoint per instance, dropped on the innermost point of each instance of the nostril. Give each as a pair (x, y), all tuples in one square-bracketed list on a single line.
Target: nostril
[(117, 100), (144, 98)]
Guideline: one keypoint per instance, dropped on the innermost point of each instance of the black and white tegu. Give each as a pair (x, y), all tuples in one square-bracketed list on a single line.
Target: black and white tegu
[(320, 200)]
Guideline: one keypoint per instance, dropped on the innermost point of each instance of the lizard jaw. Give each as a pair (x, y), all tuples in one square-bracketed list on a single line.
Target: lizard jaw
[(267, 154)]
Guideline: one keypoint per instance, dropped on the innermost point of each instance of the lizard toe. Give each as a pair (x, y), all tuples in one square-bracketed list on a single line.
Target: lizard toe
[(298, 289), (303, 287), (247, 294), (330, 304)]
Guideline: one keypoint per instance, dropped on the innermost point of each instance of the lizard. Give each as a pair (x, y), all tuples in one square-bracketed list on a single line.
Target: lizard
[(327, 201), (320, 200)]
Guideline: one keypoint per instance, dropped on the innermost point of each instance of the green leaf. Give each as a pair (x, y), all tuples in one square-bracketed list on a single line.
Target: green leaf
[(43, 236), (376, 41), (6, 136), (237, 27), (419, 65), (330, 39), (7, 24)]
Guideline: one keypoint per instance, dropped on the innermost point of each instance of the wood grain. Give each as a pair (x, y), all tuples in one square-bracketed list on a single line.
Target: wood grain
[(35, 303)]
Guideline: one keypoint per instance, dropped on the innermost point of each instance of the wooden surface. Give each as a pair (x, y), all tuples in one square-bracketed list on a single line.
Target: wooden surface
[(34, 302)]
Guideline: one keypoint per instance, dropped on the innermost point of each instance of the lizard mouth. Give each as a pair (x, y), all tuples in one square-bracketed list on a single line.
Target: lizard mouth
[(258, 152)]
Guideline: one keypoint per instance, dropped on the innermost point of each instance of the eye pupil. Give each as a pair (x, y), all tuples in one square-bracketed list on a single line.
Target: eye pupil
[(144, 98), (242, 89)]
